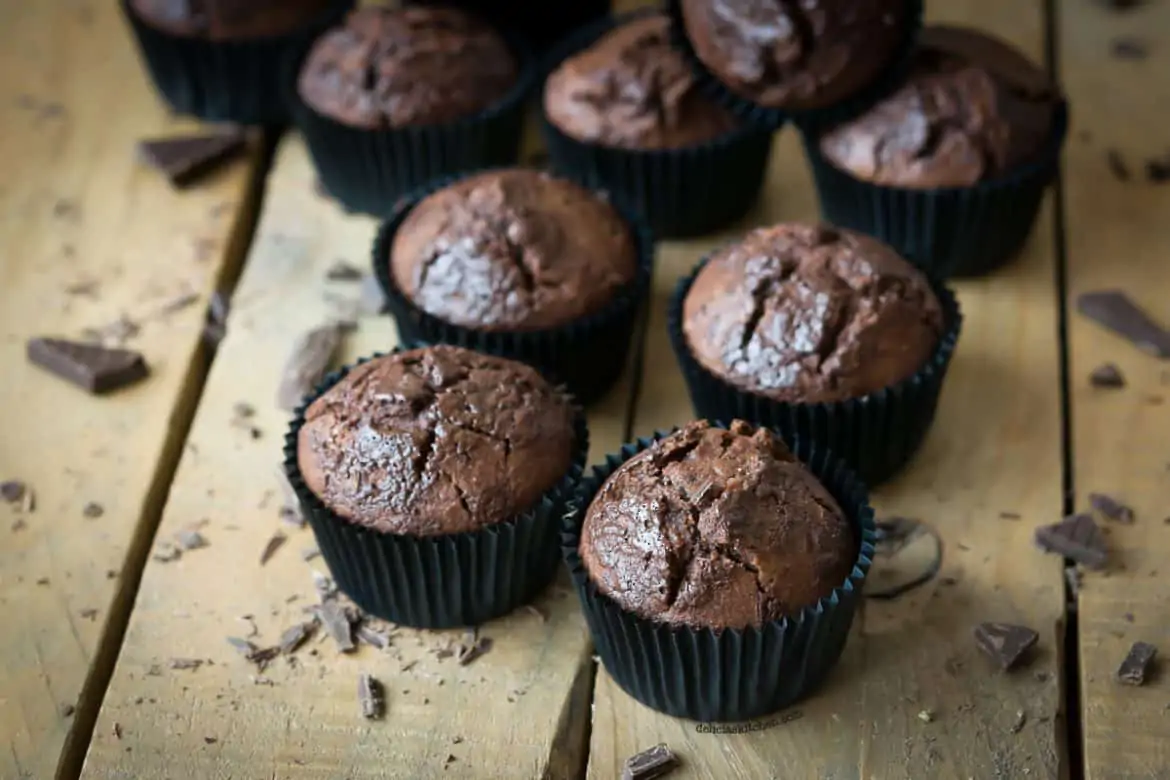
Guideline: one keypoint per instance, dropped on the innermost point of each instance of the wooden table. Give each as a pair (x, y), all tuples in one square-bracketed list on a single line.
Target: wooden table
[(91, 620)]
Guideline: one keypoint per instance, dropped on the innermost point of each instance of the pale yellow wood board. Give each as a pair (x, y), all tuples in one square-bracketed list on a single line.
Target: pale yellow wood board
[(519, 711), (995, 447), (76, 207), (1119, 238)]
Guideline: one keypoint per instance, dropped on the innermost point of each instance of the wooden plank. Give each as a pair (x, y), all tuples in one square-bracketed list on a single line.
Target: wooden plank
[(78, 213), (1117, 239), (996, 446), (519, 711)]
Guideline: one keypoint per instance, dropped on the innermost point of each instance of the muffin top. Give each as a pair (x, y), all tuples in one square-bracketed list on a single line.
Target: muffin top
[(810, 314), (971, 109), (435, 441), (512, 250), (228, 19), (632, 90), (413, 66), (716, 528), (799, 56)]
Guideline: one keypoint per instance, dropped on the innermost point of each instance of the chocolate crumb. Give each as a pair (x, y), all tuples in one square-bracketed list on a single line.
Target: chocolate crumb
[(371, 698), (292, 516), (272, 546), (12, 490), (89, 613), (1137, 664), (309, 553), (1107, 375), (654, 762), (93, 510), (43, 581), (473, 650), (117, 730), (191, 540), (1111, 508), (449, 760), (210, 740), (1130, 49), (1009, 515), (342, 271), (1128, 616), (1018, 723), (1117, 165), (243, 410), (67, 710)]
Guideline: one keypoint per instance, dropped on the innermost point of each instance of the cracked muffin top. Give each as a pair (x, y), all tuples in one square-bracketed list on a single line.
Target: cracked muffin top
[(632, 90), (389, 68), (795, 55), (714, 528), (222, 20), (810, 314), (973, 108), (435, 441), (512, 250)]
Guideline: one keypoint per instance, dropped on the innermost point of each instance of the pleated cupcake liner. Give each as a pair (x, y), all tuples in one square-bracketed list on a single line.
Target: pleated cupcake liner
[(680, 192), (447, 581), (369, 170), (876, 434), (733, 674), (884, 83), (587, 355), (543, 23), (226, 81), (947, 232)]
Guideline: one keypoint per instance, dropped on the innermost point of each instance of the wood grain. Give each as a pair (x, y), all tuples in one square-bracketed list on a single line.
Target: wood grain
[(1117, 238), (87, 235), (996, 447), (518, 711)]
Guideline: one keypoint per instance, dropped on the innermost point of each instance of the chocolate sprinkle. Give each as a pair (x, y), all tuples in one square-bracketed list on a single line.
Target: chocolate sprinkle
[(1114, 310), (657, 761), (1078, 538), (370, 695), (272, 546), (307, 364), (1137, 663), (1107, 375), (88, 366), (183, 159), (1004, 643), (1111, 508)]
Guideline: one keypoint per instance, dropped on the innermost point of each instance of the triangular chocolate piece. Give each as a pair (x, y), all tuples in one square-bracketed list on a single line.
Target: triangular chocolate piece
[(1004, 643), (183, 159), (90, 367), (1078, 538)]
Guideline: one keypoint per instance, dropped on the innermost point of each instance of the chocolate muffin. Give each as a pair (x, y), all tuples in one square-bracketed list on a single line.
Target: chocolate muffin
[(795, 56), (714, 528), (434, 441), (403, 67), (512, 250), (810, 314), (226, 20), (631, 89), (973, 108)]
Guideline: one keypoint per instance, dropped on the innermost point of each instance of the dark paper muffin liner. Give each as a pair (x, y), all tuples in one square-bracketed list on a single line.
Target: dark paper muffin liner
[(542, 22), (443, 581), (949, 232), (763, 116), (370, 170), (680, 192), (876, 434), (728, 675), (587, 355), (226, 81)]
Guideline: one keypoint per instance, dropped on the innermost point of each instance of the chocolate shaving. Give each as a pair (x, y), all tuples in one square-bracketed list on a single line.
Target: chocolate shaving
[(1078, 538), (1137, 663), (472, 651), (372, 637), (1111, 508), (243, 646), (1130, 49), (12, 490), (88, 366), (295, 636), (191, 540), (185, 663), (1114, 310), (337, 624), (309, 553), (657, 761), (370, 694), (306, 366), (1004, 643), (341, 271), (1107, 375), (272, 546), (184, 159)]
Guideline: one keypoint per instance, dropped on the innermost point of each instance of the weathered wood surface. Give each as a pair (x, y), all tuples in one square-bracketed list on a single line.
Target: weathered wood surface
[(87, 235), (992, 450), (1118, 237), (519, 711)]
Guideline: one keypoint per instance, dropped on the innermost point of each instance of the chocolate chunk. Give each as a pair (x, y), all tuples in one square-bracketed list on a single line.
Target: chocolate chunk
[(295, 636), (1078, 538), (270, 548), (1130, 49), (1114, 310), (191, 540), (657, 761), (183, 159), (337, 624), (1111, 508), (12, 490), (1004, 643), (1107, 375), (1137, 663), (341, 271), (307, 364), (90, 367), (371, 698)]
